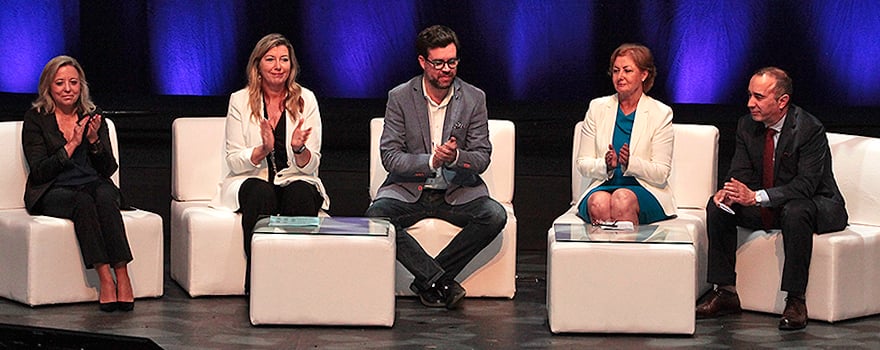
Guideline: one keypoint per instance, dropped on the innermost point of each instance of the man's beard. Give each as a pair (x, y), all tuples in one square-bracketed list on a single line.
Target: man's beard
[(435, 82)]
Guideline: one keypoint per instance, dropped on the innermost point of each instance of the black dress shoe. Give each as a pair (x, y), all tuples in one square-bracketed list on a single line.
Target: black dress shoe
[(718, 303), (107, 307), (795, 314), (454, 294), (432, 297), (125, 305)]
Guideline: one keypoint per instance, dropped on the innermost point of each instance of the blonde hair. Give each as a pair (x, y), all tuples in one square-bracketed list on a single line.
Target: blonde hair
[(45, 103), (293, 102), (642, 57)]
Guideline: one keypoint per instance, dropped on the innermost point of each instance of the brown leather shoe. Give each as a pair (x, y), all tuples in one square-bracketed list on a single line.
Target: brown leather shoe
[(718, 303), (795, 314)]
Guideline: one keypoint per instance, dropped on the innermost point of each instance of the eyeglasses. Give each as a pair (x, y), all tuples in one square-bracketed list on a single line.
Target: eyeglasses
[(438, 64)]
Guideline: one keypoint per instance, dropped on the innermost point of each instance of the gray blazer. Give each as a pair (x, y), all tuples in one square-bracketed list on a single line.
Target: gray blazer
[(405, 145)]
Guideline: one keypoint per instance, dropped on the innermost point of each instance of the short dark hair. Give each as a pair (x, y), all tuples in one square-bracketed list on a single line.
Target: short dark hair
[(783, 81), (433, 37)]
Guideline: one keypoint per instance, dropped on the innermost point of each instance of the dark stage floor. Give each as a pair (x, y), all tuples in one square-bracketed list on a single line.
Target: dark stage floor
[(176, 321)]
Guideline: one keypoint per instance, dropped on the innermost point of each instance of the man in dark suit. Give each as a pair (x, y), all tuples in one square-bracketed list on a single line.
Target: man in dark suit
[(435, 145), (780, 178)]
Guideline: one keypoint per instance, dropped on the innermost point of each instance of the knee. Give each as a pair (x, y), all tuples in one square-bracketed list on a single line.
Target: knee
[(260, 188), (713, 212), (301, 187), (378, 209), (497, 216), (599, 205), (82, 200), (624, 200), (798, 211), (107, 195), (257, 195)]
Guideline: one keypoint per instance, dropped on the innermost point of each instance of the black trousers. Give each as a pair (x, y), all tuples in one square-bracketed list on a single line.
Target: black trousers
[(797, 219), (97, 221), (258, 198), (481, 221)]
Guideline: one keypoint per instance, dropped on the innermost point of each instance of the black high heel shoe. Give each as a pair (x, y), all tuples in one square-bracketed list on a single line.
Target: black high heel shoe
[(107, 307), (125, 305)]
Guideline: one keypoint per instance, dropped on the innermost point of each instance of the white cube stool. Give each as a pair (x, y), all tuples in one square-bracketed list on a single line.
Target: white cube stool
[(323, 279), (615, 287), (844, 273), (207, 253)]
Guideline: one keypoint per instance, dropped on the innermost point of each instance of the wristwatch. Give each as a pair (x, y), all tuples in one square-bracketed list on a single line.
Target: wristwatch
[(300, 150), (95, 147)]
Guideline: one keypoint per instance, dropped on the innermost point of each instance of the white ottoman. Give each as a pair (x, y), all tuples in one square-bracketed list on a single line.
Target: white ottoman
[(207, 256), (844, 273), (623, 283), (341, 274)]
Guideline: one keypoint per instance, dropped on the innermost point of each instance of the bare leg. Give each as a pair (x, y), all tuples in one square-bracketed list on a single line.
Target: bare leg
[(107, 294), (123, 282), (599, 206), (625, 206)]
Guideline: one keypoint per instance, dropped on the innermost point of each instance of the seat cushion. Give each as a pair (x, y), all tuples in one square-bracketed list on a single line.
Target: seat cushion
[(844, 273), (40, 262)]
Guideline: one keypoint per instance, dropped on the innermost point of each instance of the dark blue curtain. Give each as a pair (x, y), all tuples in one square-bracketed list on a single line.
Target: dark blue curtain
[(514, 50)]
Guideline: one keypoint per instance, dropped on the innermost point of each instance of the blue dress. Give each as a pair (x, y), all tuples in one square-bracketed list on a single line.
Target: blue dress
[(649, 208)]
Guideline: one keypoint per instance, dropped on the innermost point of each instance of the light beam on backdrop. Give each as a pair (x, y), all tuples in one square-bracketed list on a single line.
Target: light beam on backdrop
[(709, 48), (31, 33), (848, 40), (193, 45), (358, 49), (540, 45)]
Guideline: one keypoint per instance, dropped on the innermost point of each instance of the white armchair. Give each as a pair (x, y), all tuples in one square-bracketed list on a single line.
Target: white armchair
[(845, 268), (492, 273), (207, 251), (40, 262), (576, 302)]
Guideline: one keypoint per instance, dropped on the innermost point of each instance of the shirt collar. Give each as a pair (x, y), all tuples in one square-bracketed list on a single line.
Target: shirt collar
[(442, 103), (778, 125)]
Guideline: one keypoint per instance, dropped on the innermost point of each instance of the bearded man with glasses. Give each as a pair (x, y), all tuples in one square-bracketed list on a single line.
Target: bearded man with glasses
[(435, 144)]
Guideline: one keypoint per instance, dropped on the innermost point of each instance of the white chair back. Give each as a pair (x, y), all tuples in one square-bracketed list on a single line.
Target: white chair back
[(694, 174), (499, 176), (197, 157), (855, 164), (14, 177)]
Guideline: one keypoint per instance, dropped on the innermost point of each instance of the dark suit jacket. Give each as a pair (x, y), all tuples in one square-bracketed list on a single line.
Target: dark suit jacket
[(405, 146), (43, 145), (802, 168)]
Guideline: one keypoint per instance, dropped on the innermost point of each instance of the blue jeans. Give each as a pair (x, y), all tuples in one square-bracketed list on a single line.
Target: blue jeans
[(481, 220)]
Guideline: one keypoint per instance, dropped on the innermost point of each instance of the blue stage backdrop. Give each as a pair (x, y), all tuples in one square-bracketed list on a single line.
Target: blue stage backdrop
[(194, 44), (31, 33), (514, 50)]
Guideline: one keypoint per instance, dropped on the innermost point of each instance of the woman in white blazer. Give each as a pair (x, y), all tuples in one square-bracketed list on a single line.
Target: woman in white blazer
[(626, 146), (273, 142)]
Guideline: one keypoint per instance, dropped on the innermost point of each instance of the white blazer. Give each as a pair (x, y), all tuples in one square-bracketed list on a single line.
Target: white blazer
[(243, 136), (650, 146)]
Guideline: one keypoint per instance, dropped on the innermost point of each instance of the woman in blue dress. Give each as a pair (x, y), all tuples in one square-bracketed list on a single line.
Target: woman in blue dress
[(626, 146)]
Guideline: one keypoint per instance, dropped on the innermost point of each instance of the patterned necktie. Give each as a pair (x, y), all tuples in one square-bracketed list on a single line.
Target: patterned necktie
[(767, 214)]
